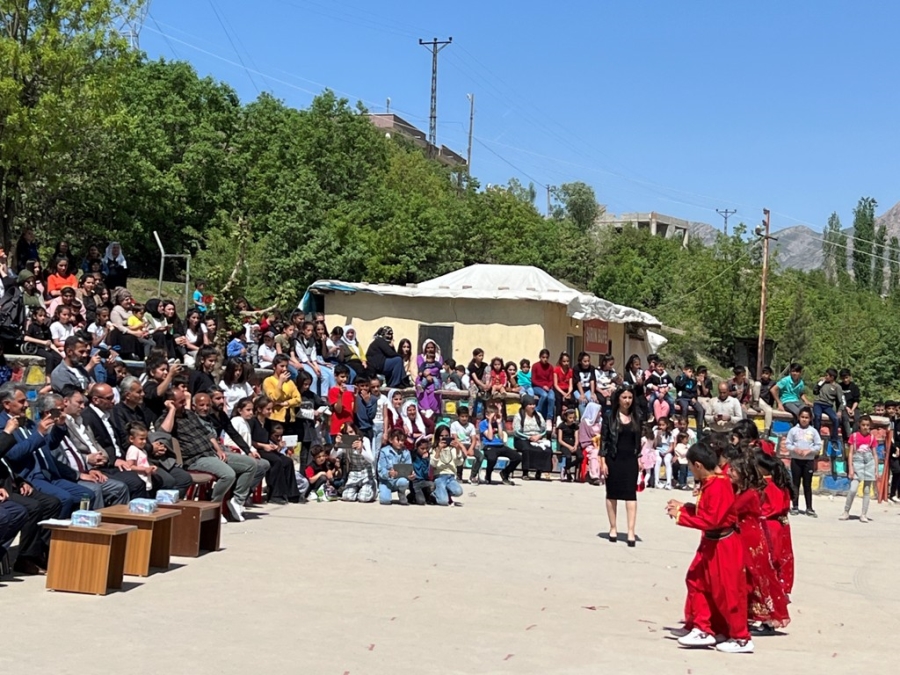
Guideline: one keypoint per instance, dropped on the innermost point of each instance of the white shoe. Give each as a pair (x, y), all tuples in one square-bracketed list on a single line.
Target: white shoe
[(697, 638), (668, 486), (223, 520), (736, 647), (236, 511)]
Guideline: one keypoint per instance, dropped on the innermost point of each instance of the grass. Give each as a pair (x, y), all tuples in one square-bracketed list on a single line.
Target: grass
[(144, 289)]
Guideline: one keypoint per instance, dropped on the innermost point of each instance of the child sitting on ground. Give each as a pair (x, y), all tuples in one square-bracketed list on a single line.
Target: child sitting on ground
[(322, 473), (446, 456), (464, 432), (136, 455), (421, 488), (389, 481), (360, 485)]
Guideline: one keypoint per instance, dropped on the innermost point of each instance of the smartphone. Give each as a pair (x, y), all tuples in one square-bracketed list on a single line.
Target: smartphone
[(103, 354), (52, 414)]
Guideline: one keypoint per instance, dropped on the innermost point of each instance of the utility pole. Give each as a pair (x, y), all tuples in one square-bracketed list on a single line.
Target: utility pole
[(471, 98), (389, 105), (435, 47), (725, 213), (548, 201), (763, 232)]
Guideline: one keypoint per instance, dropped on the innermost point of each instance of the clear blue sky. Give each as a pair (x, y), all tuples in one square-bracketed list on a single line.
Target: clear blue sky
[(678, 107)]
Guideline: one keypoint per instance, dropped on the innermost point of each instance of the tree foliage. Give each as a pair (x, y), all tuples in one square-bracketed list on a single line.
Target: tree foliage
[(864, 241)]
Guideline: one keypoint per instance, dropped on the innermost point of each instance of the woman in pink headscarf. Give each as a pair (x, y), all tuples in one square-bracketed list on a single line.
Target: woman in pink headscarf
[(589, 440)]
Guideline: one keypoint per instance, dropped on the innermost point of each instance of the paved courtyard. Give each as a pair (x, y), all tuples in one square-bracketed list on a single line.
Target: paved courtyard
[(517, 581)]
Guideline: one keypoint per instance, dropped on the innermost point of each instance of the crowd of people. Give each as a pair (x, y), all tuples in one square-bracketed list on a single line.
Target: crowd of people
[(319, 414)]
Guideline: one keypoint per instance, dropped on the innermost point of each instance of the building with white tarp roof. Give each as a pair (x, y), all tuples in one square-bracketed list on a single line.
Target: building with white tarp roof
[(512, 311)]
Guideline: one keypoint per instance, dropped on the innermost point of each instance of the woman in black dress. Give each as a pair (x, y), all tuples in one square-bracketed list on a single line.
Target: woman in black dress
[(620, 453)]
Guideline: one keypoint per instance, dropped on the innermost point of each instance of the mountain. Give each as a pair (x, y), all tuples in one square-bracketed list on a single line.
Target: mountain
[(799, 248), (705, 232)]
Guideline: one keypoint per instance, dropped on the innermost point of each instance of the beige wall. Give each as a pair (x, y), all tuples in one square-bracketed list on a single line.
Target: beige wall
[(512, 329), (507, 328)]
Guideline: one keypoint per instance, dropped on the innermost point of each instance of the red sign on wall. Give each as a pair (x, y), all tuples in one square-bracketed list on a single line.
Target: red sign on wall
[(596, 336)]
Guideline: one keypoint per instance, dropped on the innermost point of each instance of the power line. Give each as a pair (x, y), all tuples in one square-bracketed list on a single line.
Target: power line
[(435, 47), (503, 159), (236, 52), (725, 214)]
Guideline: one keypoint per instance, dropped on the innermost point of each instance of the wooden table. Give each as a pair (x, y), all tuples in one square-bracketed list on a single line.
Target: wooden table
[(150, 544), (87, 559), (197, 527)]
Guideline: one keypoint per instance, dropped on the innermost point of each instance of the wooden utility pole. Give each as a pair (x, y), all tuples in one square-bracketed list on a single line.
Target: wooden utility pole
[(435, 47), (763, 231), (471, 98)]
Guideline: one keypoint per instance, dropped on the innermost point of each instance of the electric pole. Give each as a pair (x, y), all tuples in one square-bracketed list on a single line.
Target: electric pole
[(763, 232), (725, 213), (435, 47), (471, 98)]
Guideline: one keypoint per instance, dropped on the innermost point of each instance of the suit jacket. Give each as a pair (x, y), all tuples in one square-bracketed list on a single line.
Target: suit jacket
[(31, 458), (121, 416), (93, 422)]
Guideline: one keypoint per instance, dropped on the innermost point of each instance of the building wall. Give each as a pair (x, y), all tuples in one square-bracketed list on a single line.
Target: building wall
[(512, 329)]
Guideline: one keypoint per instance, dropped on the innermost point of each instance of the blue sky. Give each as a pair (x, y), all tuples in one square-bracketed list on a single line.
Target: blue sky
[(677, 107)]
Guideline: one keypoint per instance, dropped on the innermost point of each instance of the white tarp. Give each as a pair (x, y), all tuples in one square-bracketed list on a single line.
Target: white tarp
[(500, 282)]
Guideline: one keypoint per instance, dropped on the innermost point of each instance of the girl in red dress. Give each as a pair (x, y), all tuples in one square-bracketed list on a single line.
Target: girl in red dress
[(766, 601), (775, 506)]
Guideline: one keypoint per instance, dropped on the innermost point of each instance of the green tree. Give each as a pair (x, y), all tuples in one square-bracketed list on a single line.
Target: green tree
[(834, 249), (878, 260), (60, 60), (864, 240), (577, 202), (797, 336), (894, 266)]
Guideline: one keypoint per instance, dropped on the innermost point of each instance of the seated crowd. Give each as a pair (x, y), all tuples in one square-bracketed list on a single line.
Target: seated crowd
[(333, 420)]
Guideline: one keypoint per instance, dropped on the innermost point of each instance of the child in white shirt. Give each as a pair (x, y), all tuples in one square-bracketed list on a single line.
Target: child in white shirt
[(681, 461), (136, 455), (463, 431)]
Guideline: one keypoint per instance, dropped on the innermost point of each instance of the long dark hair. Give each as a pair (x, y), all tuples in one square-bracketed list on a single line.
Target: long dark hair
[(634, 411), (749, 476), (776, 469)]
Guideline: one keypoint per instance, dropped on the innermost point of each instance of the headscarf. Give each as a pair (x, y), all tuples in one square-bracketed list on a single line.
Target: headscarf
[(385, 332), (589, 427), (352, 345), (408, 423), (119, 259), (438, 361)]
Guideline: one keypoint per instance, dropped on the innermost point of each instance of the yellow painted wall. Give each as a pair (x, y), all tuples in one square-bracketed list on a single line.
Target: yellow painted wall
[(512, 329)]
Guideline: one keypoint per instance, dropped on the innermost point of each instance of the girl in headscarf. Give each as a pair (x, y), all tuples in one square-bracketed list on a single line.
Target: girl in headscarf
[(429, 364), (589, 439), (393, 415), (414, 424), (384, 359), (115, 268), (351, 352)]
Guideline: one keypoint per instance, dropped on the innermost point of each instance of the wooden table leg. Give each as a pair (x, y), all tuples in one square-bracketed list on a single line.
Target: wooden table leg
[(210, 534), (116, 562), (137, 553), (161, 544)]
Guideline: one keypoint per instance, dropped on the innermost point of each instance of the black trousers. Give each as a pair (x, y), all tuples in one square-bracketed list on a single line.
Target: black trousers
[(281, 479), (175, 478), (421, 490), (34, 541), (802, 472), (573, 459), (895, 477), (493, 452), (137, 489)]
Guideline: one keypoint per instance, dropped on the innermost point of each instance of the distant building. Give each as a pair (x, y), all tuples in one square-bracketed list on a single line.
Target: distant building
[(394, 124), (659, 225)]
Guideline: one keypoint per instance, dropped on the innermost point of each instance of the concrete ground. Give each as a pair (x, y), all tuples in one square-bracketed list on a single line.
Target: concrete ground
[(517, 581)]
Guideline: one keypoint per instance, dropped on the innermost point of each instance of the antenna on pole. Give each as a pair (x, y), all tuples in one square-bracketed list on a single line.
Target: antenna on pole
[(435, 47)]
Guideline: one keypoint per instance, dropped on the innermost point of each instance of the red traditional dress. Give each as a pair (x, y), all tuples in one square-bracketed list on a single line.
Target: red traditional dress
[(716, 583), (775, 506), (766, 600)]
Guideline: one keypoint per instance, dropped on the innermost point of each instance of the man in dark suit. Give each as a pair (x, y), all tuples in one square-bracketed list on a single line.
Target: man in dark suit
[(34, 541), (98, 419), (30, 457)]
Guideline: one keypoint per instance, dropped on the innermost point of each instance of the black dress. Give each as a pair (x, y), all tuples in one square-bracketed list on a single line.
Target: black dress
[(621, 483)]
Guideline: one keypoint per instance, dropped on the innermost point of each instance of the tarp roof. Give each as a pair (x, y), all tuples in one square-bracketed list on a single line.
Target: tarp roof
[(498, 282)]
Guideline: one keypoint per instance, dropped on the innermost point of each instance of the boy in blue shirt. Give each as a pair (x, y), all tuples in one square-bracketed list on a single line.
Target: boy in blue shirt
[(199, 303)]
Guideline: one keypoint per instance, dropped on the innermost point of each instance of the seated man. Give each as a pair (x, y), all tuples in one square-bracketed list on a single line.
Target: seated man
[(80, 452), (169, 473), (97, 417), (78, 368), (724, 411), (216, 419), (130, 408), (34, 540), (200, 451), (30, 458)]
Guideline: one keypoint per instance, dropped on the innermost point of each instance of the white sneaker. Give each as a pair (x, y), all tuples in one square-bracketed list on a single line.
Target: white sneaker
[(697, 638), (236, 511), (736, 647), (223, 520), (668, 486)]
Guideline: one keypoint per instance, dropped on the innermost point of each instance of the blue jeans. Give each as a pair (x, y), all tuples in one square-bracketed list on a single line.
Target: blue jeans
[(68, 493), (446, 486), (387, 486), (818, 410), (546, 403), (583, 400), (326, 380), (526, 391)]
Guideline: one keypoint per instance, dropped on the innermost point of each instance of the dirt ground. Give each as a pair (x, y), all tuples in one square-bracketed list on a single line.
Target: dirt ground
[(516, 581)]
